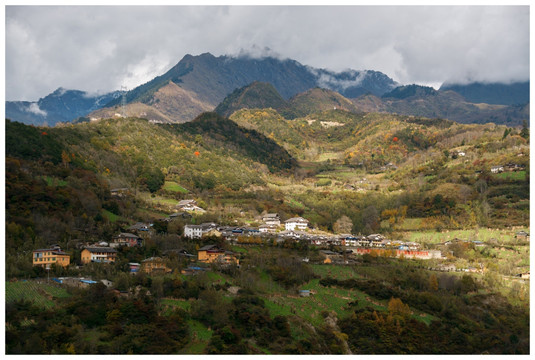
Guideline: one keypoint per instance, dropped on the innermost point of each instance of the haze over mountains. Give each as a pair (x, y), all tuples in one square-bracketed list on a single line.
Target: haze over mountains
[(201, 83)]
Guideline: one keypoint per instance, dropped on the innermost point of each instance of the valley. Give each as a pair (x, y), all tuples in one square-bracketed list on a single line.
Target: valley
[(376, 191)]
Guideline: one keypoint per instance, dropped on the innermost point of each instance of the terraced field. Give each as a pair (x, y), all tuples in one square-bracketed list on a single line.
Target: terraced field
[(41, 294)]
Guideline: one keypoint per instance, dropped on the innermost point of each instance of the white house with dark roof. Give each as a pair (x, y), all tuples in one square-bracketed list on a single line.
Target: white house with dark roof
[(296, 223)]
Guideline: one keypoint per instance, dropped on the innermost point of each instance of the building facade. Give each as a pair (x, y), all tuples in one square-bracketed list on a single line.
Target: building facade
[(297, 223), (47, 257), (98, 254)]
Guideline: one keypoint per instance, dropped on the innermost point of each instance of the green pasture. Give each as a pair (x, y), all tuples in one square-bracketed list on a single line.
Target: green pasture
[(174, 187), (42, 295)]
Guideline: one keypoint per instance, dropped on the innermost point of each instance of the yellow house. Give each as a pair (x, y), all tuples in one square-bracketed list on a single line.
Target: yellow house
[(213, 254), (47, 257), (154, 265), (98, 254)]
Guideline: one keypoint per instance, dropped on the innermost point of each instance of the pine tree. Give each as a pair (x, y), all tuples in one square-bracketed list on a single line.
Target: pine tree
[(525, 130)]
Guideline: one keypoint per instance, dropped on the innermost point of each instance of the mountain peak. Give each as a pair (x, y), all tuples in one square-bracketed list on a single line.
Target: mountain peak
[(258, 94), (406, 91)]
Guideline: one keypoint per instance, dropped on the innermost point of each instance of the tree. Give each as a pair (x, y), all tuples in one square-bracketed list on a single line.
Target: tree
[(344, 225), (397, 307), (433, 282), (370, 219), (525, 130)]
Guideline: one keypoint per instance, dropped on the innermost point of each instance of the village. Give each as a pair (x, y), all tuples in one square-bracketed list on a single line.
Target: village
[(339, 249)]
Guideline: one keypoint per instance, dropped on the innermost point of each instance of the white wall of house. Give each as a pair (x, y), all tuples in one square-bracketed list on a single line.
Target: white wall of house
[(192, 231), (296, 225)]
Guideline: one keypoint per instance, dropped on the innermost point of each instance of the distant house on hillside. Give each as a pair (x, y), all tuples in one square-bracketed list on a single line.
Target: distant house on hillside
[(271, 219), (193, 231), (46, 257), (330, 256), (212, 254), (189, 205), (513, 167), (119, 192), (296, 223), (155, 265), (198, 231), (267, 228), (134, 267), (126, 239), (98, 254), (139, 226), (496, 169)]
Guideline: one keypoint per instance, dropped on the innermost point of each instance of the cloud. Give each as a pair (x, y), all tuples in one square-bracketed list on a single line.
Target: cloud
[(329, 81), (34, 109), (98, 49)]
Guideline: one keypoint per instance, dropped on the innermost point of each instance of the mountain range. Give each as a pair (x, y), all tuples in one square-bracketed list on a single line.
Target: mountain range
[(202, 83), (62, 105)]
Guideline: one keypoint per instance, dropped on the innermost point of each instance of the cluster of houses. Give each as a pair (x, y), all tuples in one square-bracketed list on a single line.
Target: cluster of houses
[(507, 167), (271, 224), (272, 228), (296, 228)]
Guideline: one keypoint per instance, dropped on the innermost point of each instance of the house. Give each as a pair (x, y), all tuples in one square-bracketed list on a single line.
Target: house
[(84, 283), (46, 257), (496, 169), (329, 256), (186, 203), (154, 265), (213, 254), (179, 253), (523, 275), (189, 205), (126, 239), (98, 254), (134, 267), (139, 226), (513, 167), (267, 228), (304, 293), (296, 223), (375, 240), (119, 192), (193, 231), (198, 231), (522, 235), (271, 219)]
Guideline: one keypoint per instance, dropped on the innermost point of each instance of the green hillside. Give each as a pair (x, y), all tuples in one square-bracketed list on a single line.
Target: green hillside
[(256, 95), (317, 100)]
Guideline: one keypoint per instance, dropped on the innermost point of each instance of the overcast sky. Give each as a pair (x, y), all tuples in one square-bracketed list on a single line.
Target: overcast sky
[(100, 49)]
